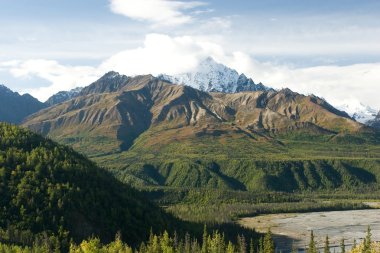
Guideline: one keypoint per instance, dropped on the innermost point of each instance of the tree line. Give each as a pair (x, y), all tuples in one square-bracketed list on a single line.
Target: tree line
[(214, 242)]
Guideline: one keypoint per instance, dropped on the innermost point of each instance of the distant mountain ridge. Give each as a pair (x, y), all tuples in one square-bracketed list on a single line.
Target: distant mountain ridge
[(15, 107), (213, 76), (375, 122), (360, 112), (63, 96)]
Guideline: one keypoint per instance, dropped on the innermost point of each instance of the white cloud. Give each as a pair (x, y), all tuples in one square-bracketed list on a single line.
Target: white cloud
[(216, 23), (173, 55), (158, 12), (353, 84), (159, 54), (60, 77)]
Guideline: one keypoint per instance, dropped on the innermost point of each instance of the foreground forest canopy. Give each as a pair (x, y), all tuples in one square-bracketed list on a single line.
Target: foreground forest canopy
[(213, 243), (210, 243)]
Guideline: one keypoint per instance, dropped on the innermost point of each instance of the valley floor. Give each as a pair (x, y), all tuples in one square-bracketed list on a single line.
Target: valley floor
[(294, 228)]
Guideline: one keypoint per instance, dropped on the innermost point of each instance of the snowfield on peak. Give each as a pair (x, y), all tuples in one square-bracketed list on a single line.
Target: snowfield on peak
[(212, 76), (359, 112)]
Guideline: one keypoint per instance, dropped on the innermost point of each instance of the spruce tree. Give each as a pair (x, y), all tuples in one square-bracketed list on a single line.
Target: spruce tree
[(312, 248), (268, 243), (261, 245), (367, 241), (327, 245), (187, 243), (204, 240), (230, 248), (251, 246), (242, 245)]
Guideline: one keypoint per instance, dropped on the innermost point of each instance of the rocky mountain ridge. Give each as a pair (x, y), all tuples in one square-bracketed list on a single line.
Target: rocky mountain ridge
[(122, 110), (63, 96)]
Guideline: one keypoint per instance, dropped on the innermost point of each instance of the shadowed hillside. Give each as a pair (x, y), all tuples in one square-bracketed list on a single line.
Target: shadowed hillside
[(49, 189)]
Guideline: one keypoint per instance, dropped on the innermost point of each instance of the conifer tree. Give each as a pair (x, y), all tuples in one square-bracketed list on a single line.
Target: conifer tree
[(327, 245), (242, 245), (261, 245), (251, 246), (230, 248), (367, 241), (204, 240), (268, 242), (187, 243), (312, 248)]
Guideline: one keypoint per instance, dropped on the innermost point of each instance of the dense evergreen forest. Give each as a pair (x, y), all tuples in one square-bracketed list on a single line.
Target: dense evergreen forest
[(48, 190)]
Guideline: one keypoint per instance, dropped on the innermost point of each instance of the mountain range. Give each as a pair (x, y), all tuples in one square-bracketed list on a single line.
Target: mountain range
[(124, 107), (207, 76), (151, 132)]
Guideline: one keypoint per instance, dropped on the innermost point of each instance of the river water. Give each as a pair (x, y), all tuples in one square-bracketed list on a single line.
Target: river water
[(294, 228)]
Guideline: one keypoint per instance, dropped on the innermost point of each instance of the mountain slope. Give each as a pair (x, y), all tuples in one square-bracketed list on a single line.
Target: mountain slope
[(213, 76), (15, 107), (156, 133), (49, 188)]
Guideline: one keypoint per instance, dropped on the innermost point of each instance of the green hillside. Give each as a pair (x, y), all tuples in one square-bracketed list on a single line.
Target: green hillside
[(297, 161), (50, 190)]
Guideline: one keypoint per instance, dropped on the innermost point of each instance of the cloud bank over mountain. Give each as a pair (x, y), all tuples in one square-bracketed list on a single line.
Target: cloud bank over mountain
[(162, 53)]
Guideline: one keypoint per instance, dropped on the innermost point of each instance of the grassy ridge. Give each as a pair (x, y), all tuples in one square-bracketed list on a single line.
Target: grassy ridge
[(253, 175), (293, 161)]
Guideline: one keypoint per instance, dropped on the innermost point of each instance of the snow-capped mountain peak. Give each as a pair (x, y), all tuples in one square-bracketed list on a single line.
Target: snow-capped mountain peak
[(359, 111), (210, 75)]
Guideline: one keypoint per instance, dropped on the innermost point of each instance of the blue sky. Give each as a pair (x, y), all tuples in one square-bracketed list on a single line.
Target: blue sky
[(311, 46)]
